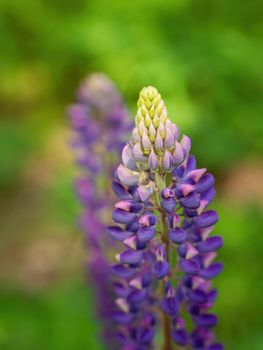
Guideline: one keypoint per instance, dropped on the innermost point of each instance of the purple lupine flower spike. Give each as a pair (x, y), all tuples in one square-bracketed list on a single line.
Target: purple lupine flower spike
[(167, 262), (100, 123)]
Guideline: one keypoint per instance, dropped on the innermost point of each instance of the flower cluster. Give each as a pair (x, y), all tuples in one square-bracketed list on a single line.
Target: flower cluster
[(167, 265), (100, 123)]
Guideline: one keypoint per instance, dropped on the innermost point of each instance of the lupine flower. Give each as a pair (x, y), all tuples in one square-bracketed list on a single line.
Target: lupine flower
[(167, 262), (100, 123)]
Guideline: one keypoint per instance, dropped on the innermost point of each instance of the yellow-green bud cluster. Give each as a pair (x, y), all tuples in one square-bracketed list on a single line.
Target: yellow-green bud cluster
[(153, 128), (151, 111), (154, 144)]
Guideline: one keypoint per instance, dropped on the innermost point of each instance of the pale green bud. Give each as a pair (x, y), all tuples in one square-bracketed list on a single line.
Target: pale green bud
[(156, 121), (152, 112), (155, 135), (169, 140), (144, 110), (136, 135), (157, 100), (139, 118), (146, 143), (152, 132), (161, 130), (150, 100), (147, 120), (142, 128), (158, 144)]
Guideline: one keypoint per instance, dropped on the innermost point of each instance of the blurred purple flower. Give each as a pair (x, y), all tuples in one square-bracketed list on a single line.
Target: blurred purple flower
[(100, 123)]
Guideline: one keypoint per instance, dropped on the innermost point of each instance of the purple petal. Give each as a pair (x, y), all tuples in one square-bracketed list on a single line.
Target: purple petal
[(197, 296), (206, 199), (147, 220), (130, 257), (180, 337), (195, 175), (184, 189), (145, 234), (120, 190), (123, 271), (187, 251), (206, 320), (205, 183), (137, 295), (206, 219), (177, 235), (160, 253), (212, 271), (147, 335), (208, 195), (127, 158), (129, 206), (170, 306), (136, 283), (210, 244), (149, 319), (127, 176), (191, 201), (118, 233), (120, 289), (160, 269), (144, 192), (197, 282), (191, 163), (205, 231), (212, 295), (167, 193), (168, 205), (190, 267), (122, 216), (133, 225), (174, 220), (131, 242), (207, 258), (122, 317)]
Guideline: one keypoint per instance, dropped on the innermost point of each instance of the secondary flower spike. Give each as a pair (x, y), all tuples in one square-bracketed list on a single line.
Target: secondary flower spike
[(100, 123), (167, 263)]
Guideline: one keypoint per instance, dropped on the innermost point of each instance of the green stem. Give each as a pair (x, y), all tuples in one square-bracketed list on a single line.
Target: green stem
[(168, 345), (167, 339)]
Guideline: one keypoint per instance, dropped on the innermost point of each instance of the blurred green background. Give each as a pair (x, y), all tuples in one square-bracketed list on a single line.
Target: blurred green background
[(206, 58)]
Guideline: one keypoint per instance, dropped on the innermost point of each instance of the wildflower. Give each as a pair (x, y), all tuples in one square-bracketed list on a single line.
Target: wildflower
[(162, 214)]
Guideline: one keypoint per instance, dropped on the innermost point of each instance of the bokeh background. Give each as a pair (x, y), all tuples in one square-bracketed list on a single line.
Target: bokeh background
[(206, 58)]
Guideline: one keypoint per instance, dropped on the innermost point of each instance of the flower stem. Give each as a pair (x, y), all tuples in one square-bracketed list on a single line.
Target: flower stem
[(167, 345), (161, 183)]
